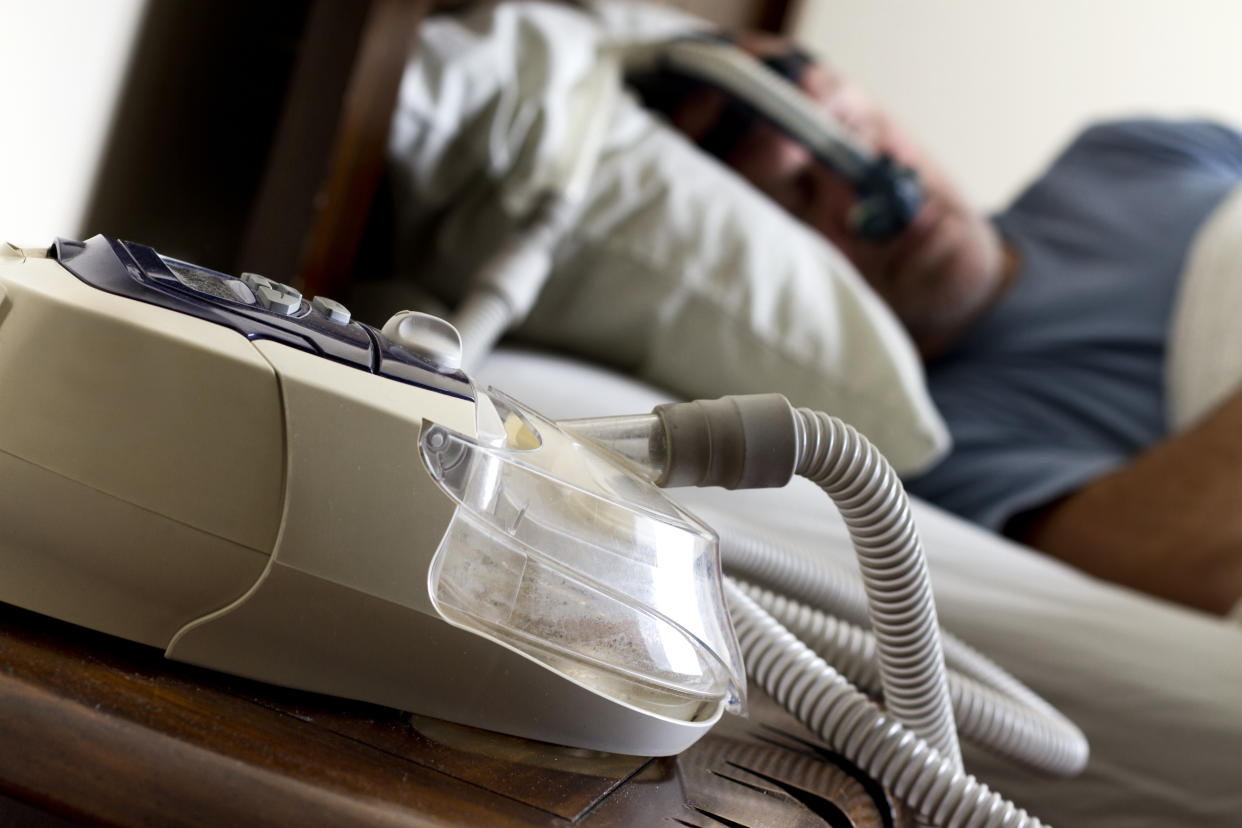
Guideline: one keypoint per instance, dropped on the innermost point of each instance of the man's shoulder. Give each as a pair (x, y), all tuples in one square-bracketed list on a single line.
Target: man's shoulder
[(1125, 174), (1201, 143)]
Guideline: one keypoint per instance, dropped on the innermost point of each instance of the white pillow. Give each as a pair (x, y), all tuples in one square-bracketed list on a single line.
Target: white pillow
[(678, 272), (1203, 365)]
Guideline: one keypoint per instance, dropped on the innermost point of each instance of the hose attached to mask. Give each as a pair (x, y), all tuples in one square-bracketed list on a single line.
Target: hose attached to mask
[(742, 442), (504, 290)]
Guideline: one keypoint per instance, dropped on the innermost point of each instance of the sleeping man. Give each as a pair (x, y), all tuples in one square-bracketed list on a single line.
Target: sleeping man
[(1044, 330)]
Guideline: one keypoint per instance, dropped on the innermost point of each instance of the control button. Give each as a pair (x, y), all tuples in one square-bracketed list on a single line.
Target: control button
[(428, 336), (333, 310), (273, 295), (256, 280), (276, 301)]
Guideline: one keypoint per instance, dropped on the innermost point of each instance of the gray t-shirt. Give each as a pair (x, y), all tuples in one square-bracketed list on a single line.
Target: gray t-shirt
[(1062, 381)]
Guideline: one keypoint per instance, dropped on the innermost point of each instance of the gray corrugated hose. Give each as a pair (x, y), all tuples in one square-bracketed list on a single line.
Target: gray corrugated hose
[(503, 292), (761, 440), (1032, 734), (833, 709), (873, 504), (740, 442), (824, 586)]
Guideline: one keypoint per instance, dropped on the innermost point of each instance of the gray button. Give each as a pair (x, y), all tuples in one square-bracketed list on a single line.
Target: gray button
[(256, 281), (272, 294), (335, 311), (276, 300)]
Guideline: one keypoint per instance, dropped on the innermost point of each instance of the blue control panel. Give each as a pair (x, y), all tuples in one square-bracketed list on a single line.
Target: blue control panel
[(253, 305)]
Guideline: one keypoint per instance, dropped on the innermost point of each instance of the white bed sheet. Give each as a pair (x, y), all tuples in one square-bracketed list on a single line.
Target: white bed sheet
[(1157, 689)]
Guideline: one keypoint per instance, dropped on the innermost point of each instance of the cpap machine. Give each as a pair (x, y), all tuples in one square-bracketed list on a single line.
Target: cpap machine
[(256, 482)]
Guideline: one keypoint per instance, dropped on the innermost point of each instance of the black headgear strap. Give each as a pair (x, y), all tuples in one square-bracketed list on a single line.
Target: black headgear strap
[(737, 117), (665, 90)]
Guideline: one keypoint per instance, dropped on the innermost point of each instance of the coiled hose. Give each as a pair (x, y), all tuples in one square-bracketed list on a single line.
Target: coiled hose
[(741, 442), (827, 587), (1005, 717), (826, 702), (1035, 735)]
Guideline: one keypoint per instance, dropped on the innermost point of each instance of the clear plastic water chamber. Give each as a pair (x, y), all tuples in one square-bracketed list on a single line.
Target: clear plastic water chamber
[(558, 551)]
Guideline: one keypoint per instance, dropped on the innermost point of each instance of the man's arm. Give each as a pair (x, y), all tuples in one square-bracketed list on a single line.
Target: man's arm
[(1169, 524)]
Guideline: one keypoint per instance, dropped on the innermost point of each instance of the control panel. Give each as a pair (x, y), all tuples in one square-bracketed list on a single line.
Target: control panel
[(259, 307)]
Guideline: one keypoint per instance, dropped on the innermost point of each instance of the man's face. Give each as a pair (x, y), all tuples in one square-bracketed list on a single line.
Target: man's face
[(939, 274)]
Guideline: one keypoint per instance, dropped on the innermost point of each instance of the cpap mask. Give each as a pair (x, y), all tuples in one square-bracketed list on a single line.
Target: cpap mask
[(766, 89)]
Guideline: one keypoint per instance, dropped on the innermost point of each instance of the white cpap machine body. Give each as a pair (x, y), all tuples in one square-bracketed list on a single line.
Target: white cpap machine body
[(259, 484)]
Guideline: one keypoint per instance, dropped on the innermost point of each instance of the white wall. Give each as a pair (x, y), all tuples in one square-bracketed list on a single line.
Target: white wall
[(62, 64), (994, 87)]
